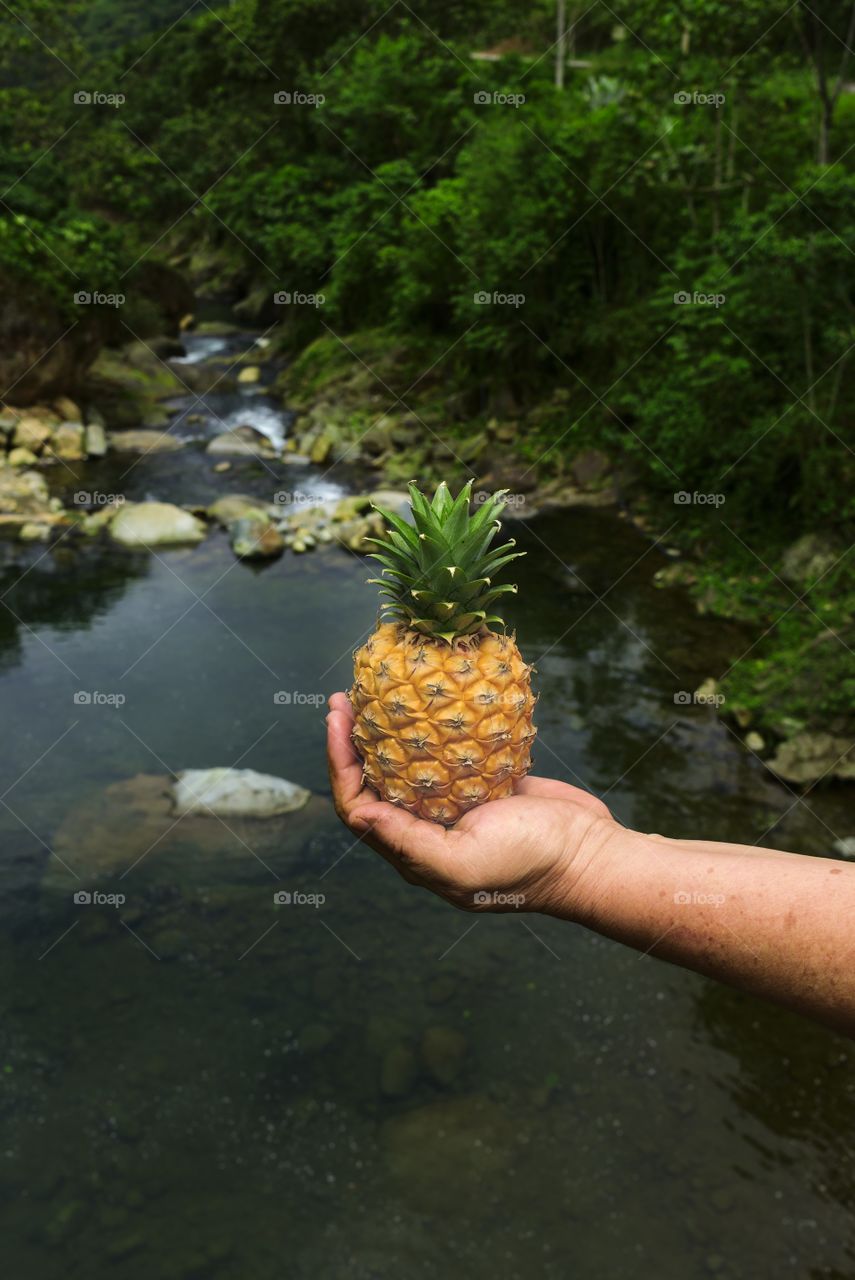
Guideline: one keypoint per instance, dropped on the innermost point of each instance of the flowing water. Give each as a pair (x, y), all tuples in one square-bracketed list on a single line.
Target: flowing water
[(192, 1079)]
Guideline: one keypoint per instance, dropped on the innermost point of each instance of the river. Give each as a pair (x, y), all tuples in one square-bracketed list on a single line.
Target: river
[(192, 1079)]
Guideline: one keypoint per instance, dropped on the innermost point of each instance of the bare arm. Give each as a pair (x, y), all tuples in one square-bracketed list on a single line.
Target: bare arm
[(777, 924)]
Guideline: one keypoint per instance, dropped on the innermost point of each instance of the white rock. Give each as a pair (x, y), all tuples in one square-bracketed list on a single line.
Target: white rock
[(152, 524), (845, 847), (239, 793)]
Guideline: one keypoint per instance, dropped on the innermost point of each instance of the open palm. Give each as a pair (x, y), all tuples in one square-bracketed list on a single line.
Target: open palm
[(524, 852)]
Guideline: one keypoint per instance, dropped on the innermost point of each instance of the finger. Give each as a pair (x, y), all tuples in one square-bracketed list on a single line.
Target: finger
[(344, 765), (341, 702)]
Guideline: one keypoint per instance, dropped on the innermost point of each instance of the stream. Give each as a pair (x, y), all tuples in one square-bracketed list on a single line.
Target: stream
[(198, 1082)]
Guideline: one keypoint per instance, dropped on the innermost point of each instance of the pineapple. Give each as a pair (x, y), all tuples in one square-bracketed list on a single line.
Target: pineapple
[(443, 704)]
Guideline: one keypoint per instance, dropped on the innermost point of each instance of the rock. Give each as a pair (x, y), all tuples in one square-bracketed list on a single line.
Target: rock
[(243, 441), (21, 457), (143, 440), (8, 421), (95, 440), (67, 410), (675, 575), (31, 433), (33, 532), (316, 1037), (235, 506), (320, 449), (807, 559), (222, 466), (807, 757), (235, 792), (398, 1071), (349, 508), (845, 847), (153, 524), (443, 1050), (254, 537), (251, 374), (707, 691), (754, 741), (395, 500), (590, 467), (23, 493), (449, 1152), (67, 442)]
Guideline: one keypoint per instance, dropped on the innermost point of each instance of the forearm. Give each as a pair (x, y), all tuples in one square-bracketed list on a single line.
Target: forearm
[(778, 924)]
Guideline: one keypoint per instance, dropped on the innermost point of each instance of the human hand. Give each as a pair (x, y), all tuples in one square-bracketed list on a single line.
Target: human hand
[(533, 851)]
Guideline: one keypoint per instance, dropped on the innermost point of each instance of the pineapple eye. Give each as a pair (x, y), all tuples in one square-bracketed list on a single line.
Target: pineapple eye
[(384, 669), (503, 668), (465, 668), (397, 707), (486, 698), (426, 782), (436, 689)]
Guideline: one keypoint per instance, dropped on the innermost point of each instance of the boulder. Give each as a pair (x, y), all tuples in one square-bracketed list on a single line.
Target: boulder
[(67, 442), (238, 793), (590, 467), (143, 440), (807, 757), (23, 493), (20, 457), (250, 374), (808, 559), (443, 1051), (243, 441), (256, 538), (320, 449), (235, 506), (95, 440), (67, 410), (32, 531), (845, 846), (31, 433), (153, 524)]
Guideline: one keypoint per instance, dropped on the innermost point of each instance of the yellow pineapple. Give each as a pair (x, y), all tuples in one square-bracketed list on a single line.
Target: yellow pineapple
[(443, 704)]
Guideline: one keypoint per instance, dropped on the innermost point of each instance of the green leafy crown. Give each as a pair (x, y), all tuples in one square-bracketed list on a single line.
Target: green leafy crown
[(438, 572)]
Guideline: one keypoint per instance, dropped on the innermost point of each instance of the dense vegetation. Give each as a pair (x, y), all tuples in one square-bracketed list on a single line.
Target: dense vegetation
[(701, 150)]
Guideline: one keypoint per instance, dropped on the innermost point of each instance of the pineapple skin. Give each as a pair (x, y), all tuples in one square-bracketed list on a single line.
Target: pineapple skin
[(441, 727)]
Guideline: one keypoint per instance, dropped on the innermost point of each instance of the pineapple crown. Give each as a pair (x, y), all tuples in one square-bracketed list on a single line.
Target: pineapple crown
[(438, 572)]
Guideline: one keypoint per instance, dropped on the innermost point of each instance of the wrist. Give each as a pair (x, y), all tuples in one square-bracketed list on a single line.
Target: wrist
[(595, 865)]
